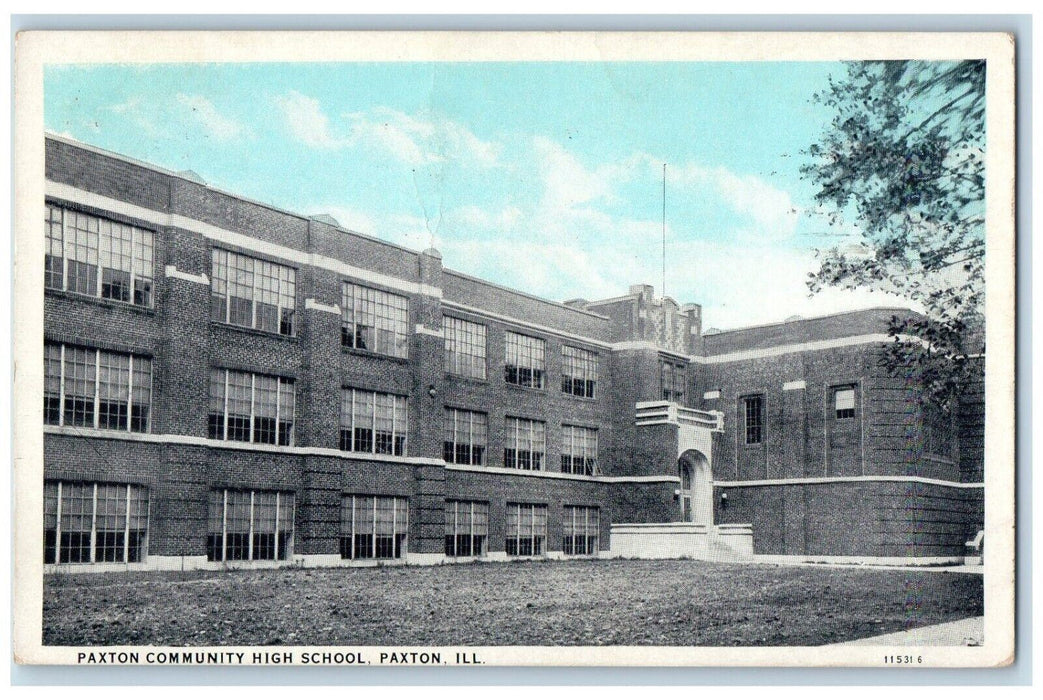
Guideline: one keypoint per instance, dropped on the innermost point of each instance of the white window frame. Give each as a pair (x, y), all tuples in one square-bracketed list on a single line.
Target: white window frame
[(143, 545), (582, 364), (570, 522), (397, 327), (467, 528), (255, 291), (467, 435), (517, 424), (395, 529), (399, 424), (280, 383), (574, 446), (525, 347), (96, 422), (458, 334), (533, 533), (136, 237), (250, 533)]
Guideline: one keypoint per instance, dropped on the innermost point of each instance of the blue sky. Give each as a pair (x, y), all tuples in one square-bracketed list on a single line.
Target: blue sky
[(545, 177)]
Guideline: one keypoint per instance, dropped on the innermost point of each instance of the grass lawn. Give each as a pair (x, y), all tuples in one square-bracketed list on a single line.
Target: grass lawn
[(498, 604)]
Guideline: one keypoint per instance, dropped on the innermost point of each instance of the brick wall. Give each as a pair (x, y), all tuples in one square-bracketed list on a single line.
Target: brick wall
[(498, 490), (802, 437), (870, 519)]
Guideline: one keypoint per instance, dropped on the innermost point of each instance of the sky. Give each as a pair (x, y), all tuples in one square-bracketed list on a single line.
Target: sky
[(543, 177)]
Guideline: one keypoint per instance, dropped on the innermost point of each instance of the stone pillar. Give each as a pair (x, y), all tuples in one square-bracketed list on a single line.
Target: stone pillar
[(318, 409), (427, 410), (794, 442)]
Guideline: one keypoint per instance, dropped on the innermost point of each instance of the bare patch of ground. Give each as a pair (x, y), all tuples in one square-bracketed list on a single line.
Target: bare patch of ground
[(684, 603)]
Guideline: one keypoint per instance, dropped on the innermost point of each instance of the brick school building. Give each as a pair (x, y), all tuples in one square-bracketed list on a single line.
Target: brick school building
[(227, 384)]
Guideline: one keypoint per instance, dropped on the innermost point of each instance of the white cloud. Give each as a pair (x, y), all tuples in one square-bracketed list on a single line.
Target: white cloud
[(218, 125), (408, 230), (471, 217), (567, 182), (771, 210), (307, 122), (411, 139), (535, 268), (416, 140), (575, 237), (140, 113), (756, 284), (131, 104)]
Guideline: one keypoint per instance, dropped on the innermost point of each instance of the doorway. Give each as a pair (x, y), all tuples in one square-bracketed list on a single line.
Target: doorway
[(696, 494)]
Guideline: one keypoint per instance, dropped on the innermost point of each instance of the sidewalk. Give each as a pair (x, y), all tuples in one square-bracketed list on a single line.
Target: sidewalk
[(947, 568), (961, 633)]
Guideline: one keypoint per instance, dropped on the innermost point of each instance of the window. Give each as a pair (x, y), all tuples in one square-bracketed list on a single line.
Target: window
[(579, 450), (373, 422), (672, 378), (90, 523), (525, 444), (248, 407), (464, 347), (526, 529), (580, 526), (466, 436), (252, 293), (526, 360), (844, 402), (374, 320), (373, 527), (99, 257), (249, 525), (96, 388), (579, 371), (753, 415), (466, 528)]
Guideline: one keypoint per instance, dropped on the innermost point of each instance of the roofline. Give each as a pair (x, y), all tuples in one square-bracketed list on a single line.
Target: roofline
[(448, 271), (170, 173), (808, 318), (612, 300), (180, 176)]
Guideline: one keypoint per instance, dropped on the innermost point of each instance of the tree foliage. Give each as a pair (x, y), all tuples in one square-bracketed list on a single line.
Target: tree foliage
[(901, 169)]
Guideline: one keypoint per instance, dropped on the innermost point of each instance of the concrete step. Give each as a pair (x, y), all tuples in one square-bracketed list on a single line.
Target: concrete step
[(720, 550)]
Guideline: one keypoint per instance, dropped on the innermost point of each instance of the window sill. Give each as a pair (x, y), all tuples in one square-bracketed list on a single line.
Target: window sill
[(99, 301), (98, 432), (254, 331), (528, 557), (521, 387), (466, 559), (586, 399), (468, 380), (380, 456), (376, 355)]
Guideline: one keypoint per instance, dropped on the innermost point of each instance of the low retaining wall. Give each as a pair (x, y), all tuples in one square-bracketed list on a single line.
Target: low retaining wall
[(732, 542), (861, 519)]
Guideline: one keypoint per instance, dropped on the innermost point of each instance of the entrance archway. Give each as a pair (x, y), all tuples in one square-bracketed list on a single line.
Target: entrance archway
[(696, 495)]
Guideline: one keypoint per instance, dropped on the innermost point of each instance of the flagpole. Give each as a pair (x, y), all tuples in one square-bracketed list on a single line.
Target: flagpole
[(664, 231)]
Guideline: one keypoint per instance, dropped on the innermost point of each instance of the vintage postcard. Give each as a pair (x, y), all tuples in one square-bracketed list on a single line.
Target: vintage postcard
[(453, 349)]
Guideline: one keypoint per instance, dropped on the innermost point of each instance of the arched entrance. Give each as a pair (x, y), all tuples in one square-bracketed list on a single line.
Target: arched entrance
[(696, 494)]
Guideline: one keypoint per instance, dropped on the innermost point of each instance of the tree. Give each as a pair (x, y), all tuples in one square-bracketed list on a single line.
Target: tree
[(901, 168)]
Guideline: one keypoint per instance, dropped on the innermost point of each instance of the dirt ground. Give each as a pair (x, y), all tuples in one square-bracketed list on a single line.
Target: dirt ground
[(616, 602)]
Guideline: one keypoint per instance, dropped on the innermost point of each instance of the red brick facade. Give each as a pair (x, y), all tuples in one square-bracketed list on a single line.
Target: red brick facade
[(636, 478)]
